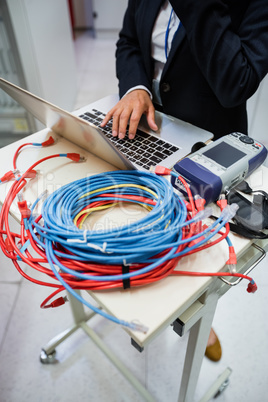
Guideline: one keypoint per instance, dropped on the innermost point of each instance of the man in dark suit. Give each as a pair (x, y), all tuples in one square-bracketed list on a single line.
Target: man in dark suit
[(197, 60), (218, 56)]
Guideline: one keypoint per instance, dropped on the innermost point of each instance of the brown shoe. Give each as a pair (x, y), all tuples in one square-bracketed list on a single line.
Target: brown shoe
[(214, 352)]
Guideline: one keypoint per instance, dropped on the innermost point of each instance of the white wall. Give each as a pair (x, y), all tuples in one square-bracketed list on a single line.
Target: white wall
[(258, 114), (44, 38), (108, 16)]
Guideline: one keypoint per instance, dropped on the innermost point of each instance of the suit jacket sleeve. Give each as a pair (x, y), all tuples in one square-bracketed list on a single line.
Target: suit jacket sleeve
[(229, 42)]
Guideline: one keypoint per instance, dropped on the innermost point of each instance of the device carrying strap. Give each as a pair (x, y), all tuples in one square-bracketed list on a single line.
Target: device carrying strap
[(251, 217), (247, 233)]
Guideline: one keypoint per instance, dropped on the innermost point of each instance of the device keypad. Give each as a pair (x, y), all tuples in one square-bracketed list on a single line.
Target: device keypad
[(244, 141)]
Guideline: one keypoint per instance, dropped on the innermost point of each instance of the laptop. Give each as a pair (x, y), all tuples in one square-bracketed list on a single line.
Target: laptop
[(173, 141)]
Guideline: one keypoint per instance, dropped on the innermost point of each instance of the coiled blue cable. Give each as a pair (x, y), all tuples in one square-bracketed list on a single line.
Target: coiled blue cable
[(138, 242)]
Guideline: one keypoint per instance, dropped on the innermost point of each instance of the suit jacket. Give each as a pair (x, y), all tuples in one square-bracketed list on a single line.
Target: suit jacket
[(217, 59)]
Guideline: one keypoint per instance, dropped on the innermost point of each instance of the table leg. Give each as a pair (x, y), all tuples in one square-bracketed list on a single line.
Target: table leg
[(48, 352), (77, 308), (196, 347)]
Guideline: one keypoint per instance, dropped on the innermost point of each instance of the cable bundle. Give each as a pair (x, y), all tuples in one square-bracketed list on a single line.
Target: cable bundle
[(135, 254), (133, 243)]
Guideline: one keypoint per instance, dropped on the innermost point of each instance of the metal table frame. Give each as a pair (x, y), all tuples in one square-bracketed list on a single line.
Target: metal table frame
[(196, 318)]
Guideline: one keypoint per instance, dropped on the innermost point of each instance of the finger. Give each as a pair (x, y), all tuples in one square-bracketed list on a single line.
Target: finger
[(151, 119), (107, 118), (115, 126), (133, 123), (123, 122)]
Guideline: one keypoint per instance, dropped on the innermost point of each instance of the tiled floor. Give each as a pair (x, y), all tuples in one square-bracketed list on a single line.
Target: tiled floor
[(82, 372)]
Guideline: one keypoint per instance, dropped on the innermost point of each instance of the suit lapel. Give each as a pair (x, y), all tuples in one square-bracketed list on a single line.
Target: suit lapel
[(175, 45)]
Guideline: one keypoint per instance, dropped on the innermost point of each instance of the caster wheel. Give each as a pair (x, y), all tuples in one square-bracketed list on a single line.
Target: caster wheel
[(222, 388), (48, 359)]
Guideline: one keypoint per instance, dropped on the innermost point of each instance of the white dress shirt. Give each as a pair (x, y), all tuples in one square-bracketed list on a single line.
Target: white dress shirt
[(159, 37)]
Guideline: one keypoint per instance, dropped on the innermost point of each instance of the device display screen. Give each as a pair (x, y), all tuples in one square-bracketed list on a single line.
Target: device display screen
[(224, 154)]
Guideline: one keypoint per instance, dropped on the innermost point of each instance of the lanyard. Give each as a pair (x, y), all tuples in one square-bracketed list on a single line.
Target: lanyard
[(167, 33)]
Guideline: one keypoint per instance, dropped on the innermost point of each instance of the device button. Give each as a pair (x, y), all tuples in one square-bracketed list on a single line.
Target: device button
[(165, 87), (246, 139)]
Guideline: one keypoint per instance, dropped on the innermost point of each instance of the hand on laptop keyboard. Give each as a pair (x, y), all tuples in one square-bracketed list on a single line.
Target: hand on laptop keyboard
[(145, 150), (128, 111)]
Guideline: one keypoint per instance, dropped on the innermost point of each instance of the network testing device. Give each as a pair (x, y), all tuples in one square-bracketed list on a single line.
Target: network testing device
[(219, 166)]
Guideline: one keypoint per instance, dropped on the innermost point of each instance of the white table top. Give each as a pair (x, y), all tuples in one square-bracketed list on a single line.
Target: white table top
[(154, 305)]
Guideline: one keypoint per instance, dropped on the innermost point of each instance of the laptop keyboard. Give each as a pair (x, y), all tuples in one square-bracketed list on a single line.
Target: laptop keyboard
[(144, 150)]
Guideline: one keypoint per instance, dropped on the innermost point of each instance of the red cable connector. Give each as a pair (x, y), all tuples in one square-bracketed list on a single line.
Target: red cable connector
[(199, 202), (222, 202), (9, 176), (160, 170), (48, 142), (8, 245), (56, 303), (13, 174), (232, 260), (24, 210), (59, 302), (31, 174), (75, 157), (252, 287)]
